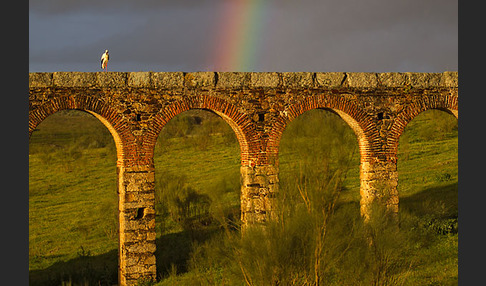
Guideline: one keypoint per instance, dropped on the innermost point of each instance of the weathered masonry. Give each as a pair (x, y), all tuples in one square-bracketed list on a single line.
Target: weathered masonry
[(135, 106)]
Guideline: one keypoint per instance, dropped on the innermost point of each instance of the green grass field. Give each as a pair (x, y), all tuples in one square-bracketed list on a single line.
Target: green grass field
[(73, 200)]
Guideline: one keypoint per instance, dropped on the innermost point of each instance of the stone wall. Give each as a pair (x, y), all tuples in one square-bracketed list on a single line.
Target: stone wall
[(135, 106)]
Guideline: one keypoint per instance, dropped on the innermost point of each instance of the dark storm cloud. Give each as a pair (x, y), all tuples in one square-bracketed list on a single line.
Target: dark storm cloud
[(72, 6), (341, 35), (369, 36), (167, 36)]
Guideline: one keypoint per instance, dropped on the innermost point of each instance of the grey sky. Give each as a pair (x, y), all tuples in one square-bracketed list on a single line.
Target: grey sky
[(305, 35)]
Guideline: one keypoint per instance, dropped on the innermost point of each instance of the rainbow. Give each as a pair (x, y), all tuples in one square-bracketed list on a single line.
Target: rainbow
[(239, 38)]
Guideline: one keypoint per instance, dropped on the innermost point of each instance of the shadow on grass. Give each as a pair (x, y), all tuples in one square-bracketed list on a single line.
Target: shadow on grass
[(172, 254), (174, 250), (434, 208), (440, 201), (85, 269)]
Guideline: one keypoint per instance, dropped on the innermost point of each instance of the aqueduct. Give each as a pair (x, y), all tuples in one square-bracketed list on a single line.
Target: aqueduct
[(135, 106)]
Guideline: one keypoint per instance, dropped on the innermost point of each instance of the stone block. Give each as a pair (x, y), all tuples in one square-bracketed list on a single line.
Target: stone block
[(133, 187), (273, 179), (199, 79), (151, 235), (262, 192), (297, 79), (450, 79), (273, 189), (329, 79), (74, 79), (130, 225), (139, 168), (111, 79), (254, 180), (150, 210), (251, 218), (40, 79), (246, 171), (168, 80), (141, 247), (246, 204), (393, 79), (133, 200), (136, 272), (265, 170), (136, 236), (424, 80), (132, 209), (264, 79), (140, 79), (250, 191), (132, 260), (233, 80), (392, 200), (259, 204), (149, 260), (138, 182), (362, 80)]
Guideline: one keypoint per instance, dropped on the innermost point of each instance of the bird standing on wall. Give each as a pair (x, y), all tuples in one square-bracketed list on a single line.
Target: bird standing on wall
[(104, 60)]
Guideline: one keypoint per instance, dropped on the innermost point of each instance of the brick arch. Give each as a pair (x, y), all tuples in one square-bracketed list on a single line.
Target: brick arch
[(104, 113), (362, 124), (238, 121), (447, 104)]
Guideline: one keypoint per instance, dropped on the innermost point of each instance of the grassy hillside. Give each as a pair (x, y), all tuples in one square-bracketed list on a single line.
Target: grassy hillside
[(72, 198), (73, 201)]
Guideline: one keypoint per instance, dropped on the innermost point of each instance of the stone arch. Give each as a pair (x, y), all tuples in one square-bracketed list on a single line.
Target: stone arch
[(238, 121), (131, 193), (447, 104), (362, 124), (104, 113), (122, 136), (427, 161)]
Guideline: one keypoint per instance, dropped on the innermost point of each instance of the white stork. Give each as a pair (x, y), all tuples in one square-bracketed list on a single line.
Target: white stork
[(104, 60)]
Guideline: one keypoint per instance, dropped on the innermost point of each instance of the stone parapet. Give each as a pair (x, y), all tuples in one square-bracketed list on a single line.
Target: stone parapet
[(242, 80)]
